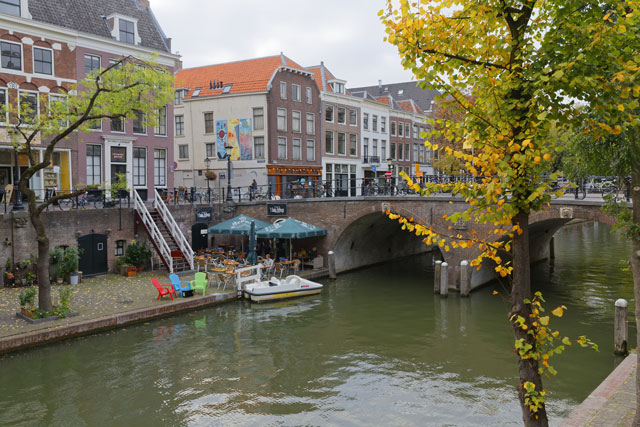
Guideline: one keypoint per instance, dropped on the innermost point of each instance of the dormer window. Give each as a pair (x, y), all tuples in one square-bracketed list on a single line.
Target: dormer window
[(10, 7), (196, 92), (127, 31), (227, 88), (338, 87)]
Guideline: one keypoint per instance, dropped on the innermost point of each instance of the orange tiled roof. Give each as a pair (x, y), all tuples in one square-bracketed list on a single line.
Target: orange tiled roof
[(251, 75), (317, 76), (410, 105), (384, 99)]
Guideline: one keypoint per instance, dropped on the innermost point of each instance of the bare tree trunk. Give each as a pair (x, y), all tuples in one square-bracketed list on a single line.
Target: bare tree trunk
[(42, 270), (635, 268), (527, 368)]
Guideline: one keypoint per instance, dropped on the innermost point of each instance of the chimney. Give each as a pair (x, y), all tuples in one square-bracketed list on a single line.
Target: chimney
[(210, 85), (380, 87), (143, 3)]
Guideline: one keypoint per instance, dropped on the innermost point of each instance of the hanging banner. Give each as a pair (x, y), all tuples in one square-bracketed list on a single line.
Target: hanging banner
[(221, 138), (244, 139)]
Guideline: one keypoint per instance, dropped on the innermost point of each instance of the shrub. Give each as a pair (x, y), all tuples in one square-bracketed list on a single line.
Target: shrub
[(27, 297)]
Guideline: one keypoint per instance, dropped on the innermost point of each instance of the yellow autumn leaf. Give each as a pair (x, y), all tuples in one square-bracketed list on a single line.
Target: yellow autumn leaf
[(544, 320), (558, 312)]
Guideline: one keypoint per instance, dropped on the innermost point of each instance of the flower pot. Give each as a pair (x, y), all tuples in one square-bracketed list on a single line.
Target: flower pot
[(73, 278), (59, 280), (131, 271)]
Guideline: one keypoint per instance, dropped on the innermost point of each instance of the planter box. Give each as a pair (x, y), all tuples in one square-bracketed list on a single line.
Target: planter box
[(44, 319)]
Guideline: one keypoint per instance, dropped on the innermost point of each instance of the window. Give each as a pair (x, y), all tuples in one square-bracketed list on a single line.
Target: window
[(282, 148), (309, 99), (297, 149), (311, 124), (159, 167), (296, 93), (258, 147), (353, 117), (415, 131), (407, 130), (29, 106), (393, 128), (95, 124), (415, 153), (91, 62), (183, 151), (258, 118), (281, 123), (407, 152), (400, 151), (311, 150), (178, 98), (120, 247), (353, 144), (196, 92), (161, 122), (342, 115), (296, 121), (365, 147), (227, 88), (328, 142), (342, 143), (10, 7), (400, 92), (208, 122), (383, 124), (179, 125), (59, 99), (127, 31), (365, 121), (328, 113), (11, 55), (383, 149), (374, 126), (338, 87), (138, 123), (3, 104), (42, 61), (283, 90), (117, 124), (210, 149), (400, 129), (392, 154), (139, 167), (374, 151), (94, 164)]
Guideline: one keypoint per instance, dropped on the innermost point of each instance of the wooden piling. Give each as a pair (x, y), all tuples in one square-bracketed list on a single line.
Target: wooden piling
[(436, 277), (620, 328), (465, 278), (332, 265), (444, 279)]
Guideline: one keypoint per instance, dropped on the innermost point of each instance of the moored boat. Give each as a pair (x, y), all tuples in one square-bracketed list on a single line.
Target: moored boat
[(277, 289)]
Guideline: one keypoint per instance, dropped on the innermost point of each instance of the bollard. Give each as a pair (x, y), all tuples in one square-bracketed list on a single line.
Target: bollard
[(552, 250), (620, 328), (332, 265), (465, 278), (444, 280), (436, 277)]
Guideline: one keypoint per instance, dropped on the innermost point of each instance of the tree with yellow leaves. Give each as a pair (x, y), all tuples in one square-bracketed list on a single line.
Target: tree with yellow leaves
[(524, 67)]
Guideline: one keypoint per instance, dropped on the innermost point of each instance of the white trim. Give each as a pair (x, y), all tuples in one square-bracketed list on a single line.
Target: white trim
[(6, 99), (33, 61), (37, 103), (12, 70), (115, 31), (118, 142)]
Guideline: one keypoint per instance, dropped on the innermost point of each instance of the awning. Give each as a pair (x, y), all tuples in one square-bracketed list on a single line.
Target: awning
[(240, 224), (291, 228)]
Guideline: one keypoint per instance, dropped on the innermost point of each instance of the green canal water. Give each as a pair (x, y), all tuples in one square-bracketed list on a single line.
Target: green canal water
[(375, 348)]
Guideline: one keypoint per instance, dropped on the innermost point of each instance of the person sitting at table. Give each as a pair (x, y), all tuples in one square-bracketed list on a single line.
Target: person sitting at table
[(268, 262), (302, 254), (313, 253)]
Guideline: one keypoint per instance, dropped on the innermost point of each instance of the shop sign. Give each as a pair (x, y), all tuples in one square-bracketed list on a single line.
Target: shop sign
[(118, 154), (276, 209), (203, 214)]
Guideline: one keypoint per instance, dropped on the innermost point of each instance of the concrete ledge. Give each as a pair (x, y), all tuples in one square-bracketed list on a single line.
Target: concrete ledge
[(595, 402), (31, 339)]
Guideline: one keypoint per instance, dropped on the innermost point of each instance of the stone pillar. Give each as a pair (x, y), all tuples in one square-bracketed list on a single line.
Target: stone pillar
[(436, 277), (444, 280), (552, 251), (465, 278), (620, 328), (332, 265)]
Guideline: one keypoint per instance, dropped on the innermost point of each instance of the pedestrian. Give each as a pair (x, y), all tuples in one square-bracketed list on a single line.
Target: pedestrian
[(253, 188)]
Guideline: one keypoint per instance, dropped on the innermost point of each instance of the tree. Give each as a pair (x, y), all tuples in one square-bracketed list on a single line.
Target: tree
[(524, 76), (124, 89), (444, 111)]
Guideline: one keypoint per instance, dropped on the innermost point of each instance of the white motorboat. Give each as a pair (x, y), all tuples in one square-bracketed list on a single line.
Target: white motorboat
[(277, 289)]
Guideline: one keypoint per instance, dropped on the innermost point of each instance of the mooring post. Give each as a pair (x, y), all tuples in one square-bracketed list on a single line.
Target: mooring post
[(620, 328), (552, 250), (436, 277), (444, 280), (332, 265), (465, 278)]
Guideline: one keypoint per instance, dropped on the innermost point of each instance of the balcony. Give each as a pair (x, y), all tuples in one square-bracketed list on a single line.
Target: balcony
[(371, 160)]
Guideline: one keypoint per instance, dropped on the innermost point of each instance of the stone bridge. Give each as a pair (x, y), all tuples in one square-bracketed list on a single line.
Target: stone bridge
[(361, 235)]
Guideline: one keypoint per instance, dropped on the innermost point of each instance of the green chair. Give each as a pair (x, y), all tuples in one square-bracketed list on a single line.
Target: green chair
[(200, 282)]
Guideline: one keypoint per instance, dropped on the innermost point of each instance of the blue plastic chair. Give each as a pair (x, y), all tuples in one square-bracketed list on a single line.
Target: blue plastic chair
[(179, 285)]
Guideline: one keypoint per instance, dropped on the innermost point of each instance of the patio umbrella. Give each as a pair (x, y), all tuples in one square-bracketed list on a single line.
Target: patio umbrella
[(240, 224), (291, 228), (252, 257)]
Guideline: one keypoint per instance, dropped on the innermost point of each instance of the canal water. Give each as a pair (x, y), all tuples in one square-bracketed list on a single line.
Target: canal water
[(375, 348)]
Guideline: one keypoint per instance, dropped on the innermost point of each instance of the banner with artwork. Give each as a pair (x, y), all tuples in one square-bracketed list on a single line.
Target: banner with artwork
[(237, 134)]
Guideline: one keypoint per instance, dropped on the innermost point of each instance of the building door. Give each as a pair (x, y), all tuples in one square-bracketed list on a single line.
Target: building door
[(199, 236), (93, 254)]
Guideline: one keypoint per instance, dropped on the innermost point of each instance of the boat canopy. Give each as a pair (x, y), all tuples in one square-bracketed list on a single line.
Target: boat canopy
[(240, 224), (291, 228)]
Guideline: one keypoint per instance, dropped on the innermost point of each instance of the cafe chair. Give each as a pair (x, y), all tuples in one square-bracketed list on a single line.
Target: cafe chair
[(163, 289), (200, 282)]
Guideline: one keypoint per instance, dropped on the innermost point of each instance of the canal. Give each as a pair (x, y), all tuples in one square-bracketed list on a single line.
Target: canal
[(375, 348)]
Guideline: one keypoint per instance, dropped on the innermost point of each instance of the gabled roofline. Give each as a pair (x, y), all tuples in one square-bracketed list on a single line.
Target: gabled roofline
[(287, 68)]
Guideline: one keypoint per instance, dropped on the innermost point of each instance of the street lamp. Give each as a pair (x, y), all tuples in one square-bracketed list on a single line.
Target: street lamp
[(390, 168), (207, 161), (228, 149), (17, 203)]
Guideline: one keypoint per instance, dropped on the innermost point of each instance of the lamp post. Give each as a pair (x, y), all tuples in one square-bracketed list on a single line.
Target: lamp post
[(228, 149), (17, 203), (390, 167), (207, 161)]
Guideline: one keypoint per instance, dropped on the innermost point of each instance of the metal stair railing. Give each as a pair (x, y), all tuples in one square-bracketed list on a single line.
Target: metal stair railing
[(156, 236), (175, 231)]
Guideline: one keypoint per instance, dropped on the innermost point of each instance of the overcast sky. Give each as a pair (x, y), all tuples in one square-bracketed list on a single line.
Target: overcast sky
[(345, 34)]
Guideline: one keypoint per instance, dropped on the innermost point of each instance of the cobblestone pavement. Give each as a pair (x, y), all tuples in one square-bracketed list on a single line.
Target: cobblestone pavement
[(93, 298), (613, 403)]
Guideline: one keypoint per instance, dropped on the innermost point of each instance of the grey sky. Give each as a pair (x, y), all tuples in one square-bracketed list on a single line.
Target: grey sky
[(345, 34)]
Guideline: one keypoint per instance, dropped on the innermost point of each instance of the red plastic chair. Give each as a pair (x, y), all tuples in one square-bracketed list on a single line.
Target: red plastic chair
[(163, 289)]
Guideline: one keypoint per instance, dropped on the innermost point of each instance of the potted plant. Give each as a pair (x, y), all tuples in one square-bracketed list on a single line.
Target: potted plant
[(30, 278), (211, 175), (137, 255), (126, 269), (27, 299)]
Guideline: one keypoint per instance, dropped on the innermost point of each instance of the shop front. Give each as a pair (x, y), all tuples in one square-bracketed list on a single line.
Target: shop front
[(292, 181)]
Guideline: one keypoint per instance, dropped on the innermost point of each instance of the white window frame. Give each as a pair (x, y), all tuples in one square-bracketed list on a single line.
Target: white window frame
[(33, 60), (124, 126), (21, 56), (144, 164), (309, 95), (282, 138), (210, 150), (393, 128), (383, 124), (164, 174), (343, 122), (261, 115), (59, 96), (333, 142), (93, 165), (133, 129), (353, 145), (345, 144), (311, 158), (175, 124), (296, 95), (365, 121), (333, 113), (354, 116), (283, 90), (157, 128), (84, 57), (20, 92), (407, 130), (204, 121), (282, 128), (311, 123), (374, 122), (293, 146), (180, 157), (255, 151), (293, 121)]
